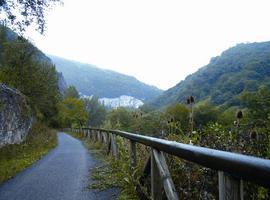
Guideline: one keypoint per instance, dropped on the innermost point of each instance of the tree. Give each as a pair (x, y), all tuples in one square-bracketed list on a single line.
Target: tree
[(96, 112), (120, 118), (22, 13), (21, 67), (205, 113), (228, 116), (72, 112), (177, 117), (150, 124), (258, 104), (71, 92)]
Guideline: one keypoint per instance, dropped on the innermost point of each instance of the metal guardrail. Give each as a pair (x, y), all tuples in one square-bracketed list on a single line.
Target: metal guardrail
[(232, 167)]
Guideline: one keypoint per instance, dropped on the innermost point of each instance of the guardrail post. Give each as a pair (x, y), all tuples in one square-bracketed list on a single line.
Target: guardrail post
[(133, 153), (156, 184), (230, 188), (88, 133), (165, 175), (104, 137), (98, 136), (114, 145), (91, 134), (95, 134)]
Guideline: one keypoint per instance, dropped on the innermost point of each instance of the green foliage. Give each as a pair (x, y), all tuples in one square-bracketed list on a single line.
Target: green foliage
[(120, 118), (16, 157), (191, 181), (21, 68), (244, 67), (71, 92), (21, 14), (72, 112), (196, 182), (147, 108), (177, 116), (227, 117), (112, 173), (148, 123), (205, 113), (217, 128), (96, 112), (258, 104)]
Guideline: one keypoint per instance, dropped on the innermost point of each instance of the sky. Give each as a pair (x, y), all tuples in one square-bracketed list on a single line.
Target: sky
[(159, 42)]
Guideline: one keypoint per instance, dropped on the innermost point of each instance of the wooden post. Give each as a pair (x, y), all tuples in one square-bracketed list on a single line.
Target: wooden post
[(88, 134), (101, 136), (133, 156), (165, 175), (114, 145), (109, 148), (156, 184), (104, 138), (91, 135), (94, 135), (98, 136), (230, 188), (143, 178)]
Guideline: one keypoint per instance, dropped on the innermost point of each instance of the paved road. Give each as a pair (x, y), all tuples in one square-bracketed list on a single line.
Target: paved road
[(63, 174)]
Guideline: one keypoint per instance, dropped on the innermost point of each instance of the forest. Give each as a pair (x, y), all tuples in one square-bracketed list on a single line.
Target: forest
[(239, 69)]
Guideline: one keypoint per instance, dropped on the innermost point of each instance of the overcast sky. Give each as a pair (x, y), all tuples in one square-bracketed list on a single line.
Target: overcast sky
[(158, 42)]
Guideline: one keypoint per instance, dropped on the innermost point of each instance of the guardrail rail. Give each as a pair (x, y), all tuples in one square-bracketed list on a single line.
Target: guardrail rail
[(232, 168)]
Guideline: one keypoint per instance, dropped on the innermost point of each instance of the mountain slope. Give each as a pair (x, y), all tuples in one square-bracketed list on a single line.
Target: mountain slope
[(241, 68), (91, 80), (9, 35)]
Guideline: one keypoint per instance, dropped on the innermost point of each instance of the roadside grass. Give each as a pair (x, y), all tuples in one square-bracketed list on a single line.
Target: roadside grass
[(16, 157), (111, 172)]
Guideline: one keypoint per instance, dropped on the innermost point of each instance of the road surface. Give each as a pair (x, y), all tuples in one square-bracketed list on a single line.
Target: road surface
[(63, 174)]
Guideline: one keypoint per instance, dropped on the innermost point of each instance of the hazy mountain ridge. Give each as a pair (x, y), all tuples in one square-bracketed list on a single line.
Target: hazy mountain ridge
[(244, 67), (91, 80)]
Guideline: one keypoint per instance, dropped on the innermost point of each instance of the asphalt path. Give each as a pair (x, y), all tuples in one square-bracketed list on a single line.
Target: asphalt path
[(63, 174)]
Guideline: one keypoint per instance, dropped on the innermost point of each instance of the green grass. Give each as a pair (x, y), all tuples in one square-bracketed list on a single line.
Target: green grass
[(16, 157), (111, 173)]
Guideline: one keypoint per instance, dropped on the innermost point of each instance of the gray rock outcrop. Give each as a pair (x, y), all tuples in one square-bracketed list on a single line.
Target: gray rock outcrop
[(62, 85), (15, 116)]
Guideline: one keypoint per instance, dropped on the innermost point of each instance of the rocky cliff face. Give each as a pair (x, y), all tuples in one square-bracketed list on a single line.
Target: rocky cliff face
[(61, 82), (15, 116)]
